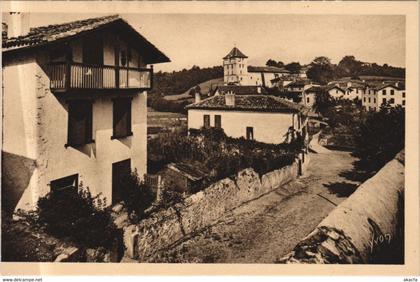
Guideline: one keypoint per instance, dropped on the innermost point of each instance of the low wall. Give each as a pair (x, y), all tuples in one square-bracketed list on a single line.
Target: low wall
[(166, 228), (368, 227)]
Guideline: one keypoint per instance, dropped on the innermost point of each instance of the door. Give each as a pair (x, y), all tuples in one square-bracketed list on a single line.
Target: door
[(120, 173), (93, 57)]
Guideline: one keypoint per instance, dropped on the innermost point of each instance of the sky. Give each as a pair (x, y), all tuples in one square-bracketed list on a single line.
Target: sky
[(204, 39)]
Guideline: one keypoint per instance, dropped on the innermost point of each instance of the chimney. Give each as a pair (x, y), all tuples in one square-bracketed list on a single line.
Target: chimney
[(230, 99), (4, 31), (19, 24), (396, 84), (197, 97), (349, 84), (259, 89)]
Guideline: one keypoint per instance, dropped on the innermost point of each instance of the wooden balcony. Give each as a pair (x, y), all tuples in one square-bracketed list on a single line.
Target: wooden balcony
[(74, 76)]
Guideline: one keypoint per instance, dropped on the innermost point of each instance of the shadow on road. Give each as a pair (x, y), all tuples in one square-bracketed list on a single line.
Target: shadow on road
[(341, 189)]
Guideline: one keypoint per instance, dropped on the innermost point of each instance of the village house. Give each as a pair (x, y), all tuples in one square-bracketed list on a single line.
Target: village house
[(236, 71), (74, 107), (335, 91), (263, 118), (309, 95), (378, 94)]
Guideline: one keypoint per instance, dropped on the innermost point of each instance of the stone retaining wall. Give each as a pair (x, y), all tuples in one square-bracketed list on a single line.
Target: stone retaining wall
[(165, 228), (368, 227)]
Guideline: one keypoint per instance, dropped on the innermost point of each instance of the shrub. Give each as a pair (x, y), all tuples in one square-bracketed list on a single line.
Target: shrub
[(137, 195), (79, 217)]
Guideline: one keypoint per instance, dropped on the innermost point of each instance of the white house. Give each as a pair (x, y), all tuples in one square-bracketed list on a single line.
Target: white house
[(263, 118), (381, 93), (335, 91), (74, 108), (236, 71)]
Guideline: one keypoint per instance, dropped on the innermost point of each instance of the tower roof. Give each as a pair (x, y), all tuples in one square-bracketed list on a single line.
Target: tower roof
[(235, 53)]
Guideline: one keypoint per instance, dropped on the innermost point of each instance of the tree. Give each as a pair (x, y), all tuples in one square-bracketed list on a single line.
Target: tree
[(293, 67), (349, 66), (323, 102), (322, 60), (379, 138), (271, 63), (321, 70)]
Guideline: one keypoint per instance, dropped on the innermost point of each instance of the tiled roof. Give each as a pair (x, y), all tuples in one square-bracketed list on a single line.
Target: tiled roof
[(235, 53), (46, 34), (379, 86), (315, 89), (267, 69), (329, 87), (298, 83), (241, 89), (254, 103)]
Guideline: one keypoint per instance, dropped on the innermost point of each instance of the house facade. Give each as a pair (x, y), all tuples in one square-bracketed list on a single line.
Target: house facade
[(392, 94), (74, 106), (236, 71), (263, 118)]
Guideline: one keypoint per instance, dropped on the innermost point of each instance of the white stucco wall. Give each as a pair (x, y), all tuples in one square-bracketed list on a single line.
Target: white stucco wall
[(268, 127), (35, 128), (376, 98)]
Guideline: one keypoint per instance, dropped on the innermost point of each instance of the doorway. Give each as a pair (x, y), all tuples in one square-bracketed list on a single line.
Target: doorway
[(120, 173)]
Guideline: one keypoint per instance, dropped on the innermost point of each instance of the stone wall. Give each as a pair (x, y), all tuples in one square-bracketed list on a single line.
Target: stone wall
[(166, 228), (368, 227)]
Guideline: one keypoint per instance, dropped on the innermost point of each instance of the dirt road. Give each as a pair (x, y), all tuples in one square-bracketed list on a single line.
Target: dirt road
[(265, 229)]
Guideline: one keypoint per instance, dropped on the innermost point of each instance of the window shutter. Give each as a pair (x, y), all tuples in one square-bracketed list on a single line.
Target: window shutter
[(122, 117), (80, 122)]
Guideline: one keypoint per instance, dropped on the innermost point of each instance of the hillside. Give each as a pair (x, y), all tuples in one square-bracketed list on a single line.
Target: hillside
[(205, 87)]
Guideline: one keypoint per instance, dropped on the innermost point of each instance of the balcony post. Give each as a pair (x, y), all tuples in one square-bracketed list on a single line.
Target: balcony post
[(117, 66), (68, 75), (151, 77)]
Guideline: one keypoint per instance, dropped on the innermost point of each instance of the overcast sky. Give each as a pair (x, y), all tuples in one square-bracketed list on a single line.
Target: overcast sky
[(203, 39)]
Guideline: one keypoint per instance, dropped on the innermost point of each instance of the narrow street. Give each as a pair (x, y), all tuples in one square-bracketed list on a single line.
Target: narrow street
[(265, 229)]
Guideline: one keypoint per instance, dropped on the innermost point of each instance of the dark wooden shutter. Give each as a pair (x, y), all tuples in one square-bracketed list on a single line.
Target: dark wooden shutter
[(218, 121), (122, 117), (80, 122), (206, 121)]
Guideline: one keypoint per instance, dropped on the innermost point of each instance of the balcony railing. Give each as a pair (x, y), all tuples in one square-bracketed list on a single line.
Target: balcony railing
[(64, 76)]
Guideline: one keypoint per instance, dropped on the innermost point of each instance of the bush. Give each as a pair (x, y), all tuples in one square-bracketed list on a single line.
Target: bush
[(79, 217), (137, 195)]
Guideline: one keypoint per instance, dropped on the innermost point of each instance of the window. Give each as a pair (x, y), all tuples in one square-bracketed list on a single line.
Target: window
[(392, 92), (121, 118), (374, 100), (218, 121), (369, 99), (249, 133), (307, 100), (206, 121), (79, 123), (65, 184), (392, 101), (383, 100), (403, 94), (384, 92), (364, 99), (403, 102)]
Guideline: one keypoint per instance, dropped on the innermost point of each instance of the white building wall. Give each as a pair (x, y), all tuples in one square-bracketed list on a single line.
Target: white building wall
[(268, 127), (35, 128)]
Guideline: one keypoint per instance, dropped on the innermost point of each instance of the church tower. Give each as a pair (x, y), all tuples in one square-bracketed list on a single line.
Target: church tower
[(235, 68)]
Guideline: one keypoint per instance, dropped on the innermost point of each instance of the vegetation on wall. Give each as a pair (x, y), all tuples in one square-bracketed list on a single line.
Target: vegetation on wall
[(221, 155)]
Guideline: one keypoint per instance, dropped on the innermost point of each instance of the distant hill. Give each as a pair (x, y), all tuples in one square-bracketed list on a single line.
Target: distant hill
[(177, 82), (205, 88)]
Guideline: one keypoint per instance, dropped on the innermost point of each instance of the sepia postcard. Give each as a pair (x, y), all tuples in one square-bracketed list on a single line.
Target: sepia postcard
[(235, 138)]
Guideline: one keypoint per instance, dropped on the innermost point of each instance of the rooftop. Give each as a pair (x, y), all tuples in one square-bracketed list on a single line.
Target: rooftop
[(39, 36), (254, 103), (192, 172), (267, 69), (235, 53), (241, 89)]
